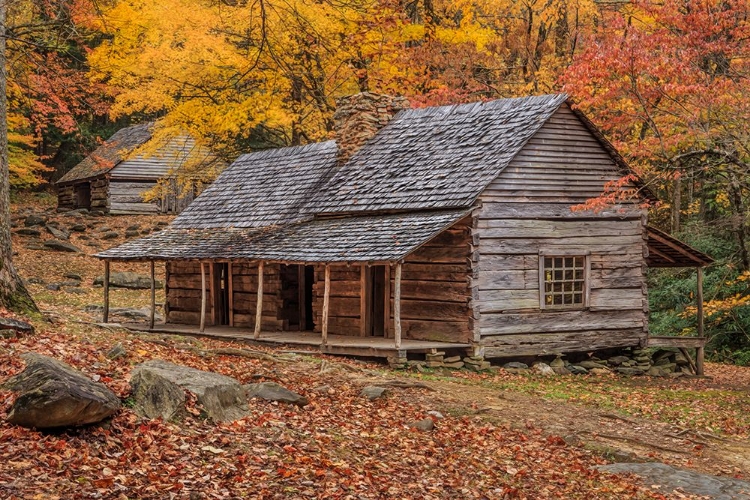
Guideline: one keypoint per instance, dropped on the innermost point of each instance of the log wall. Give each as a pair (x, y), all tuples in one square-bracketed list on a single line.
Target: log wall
[(526, 211), (184, 295), (100, 194), (66, 197), (344, 304)]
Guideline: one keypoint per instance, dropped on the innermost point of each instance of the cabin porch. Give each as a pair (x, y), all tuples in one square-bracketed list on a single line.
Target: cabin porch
[(346, 345)]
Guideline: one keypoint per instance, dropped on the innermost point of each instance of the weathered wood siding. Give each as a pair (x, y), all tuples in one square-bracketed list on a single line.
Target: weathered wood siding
[(100, 194), (184, 294), (344, 303), (66, 197), (435, 293), (525, 211), (126, 197)]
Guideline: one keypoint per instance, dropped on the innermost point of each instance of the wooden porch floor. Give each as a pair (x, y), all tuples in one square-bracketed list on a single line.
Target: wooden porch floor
[(337, 344)]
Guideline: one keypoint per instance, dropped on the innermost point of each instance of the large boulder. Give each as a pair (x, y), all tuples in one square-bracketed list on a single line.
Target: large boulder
[(132, 281), (159, 390), (15, 327), (53, 394)]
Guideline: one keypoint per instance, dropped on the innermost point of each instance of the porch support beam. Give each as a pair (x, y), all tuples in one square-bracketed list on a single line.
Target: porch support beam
[(363, 316), (397, 306), (259, 306), (700, 351), (105, 315), (230, 286), (203, 297), (326, 301), (153, 297)]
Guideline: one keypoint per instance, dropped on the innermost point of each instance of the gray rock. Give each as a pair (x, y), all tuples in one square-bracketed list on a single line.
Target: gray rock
[(111, 235), (626, 370), (129, 280), (436, 414), (62, 246), (132, 233), (73, 276), (35, 246), (60, 234), (125, 312), (117, 351), (516, 365), (618, 360), (372, 392), (104, 229), (35, 281), (55, 287), (162, 223), (670, 479), (561, 370), (426, 424), (558, 361), (271, 391), (133, 227), (34, 220), (146, 231), (577, 370), (78, 228), (17, 326), (599, 371), (657, 371), (589, 365), (28, 231), (74, 289), (159, 391), (53, 394), (543, 368)]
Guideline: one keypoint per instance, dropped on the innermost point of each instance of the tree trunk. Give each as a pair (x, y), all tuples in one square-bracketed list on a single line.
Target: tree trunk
[(13, 295), (676, 204)]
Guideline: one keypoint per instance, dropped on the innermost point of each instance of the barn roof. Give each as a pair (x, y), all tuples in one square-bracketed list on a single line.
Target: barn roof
[(110, 153), (435, 158), (115, 156), (368, 238)]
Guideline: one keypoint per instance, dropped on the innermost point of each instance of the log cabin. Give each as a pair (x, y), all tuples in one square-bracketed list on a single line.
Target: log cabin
[(419, 230), (113, 179)]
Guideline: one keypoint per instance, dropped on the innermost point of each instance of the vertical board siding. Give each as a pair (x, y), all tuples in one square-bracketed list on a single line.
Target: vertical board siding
[(127, 197), (525, 211), (344, 302)]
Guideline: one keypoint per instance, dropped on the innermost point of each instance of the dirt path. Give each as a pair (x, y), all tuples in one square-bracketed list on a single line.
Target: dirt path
[(620, 437)]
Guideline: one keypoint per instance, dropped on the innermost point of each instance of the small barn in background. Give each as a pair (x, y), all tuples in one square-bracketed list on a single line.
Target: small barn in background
[(419, 230), (113, 181)]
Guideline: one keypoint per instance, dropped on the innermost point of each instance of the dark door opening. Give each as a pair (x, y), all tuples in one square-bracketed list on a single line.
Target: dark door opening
[(83, 195), (221, 294), (375, 288), (297, 295)]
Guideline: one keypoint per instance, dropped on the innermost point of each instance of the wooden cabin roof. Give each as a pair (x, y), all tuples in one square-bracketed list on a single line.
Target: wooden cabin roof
[(667, 251), (114, 157), (368, 238)]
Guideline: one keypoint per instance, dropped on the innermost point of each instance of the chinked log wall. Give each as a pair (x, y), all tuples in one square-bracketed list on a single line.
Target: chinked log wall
[(184, 294), (66, 197), (100, 194), (525, 211)]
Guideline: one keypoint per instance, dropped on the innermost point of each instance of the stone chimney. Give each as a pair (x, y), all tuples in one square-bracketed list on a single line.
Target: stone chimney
[(358, 118)]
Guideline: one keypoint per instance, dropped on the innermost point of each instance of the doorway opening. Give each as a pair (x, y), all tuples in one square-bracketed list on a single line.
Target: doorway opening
[(221, 293), (297, 296), (83, 195)]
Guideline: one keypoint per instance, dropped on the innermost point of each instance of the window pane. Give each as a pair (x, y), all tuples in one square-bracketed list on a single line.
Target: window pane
[(564, 281)]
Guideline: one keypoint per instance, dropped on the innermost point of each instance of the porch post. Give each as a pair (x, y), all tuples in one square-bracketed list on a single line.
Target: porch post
[(326, 300), (230, 286), (397, 307), (153, 297), (105, 318), (699, 351), (203, 297), (259, 308), (363, 316)]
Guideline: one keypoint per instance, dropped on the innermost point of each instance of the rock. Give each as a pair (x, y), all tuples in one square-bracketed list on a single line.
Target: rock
[(131, 234), (436, 414), (454, 366), (74, 289), (372, 392), (35, 246), (669, 367), (117, 351), (55, 287), (78, 228), (125, 312), (28, 231), (62, 246), (104, 229), (452, 359), (60, 234), (642, 359), (133, 227), (159, 391), (18, 327), (129, 280), (162, 223), (110, 235), (97, 213), (681, 360), (557, 362), (599, 371), (73, 276), (271, 391), (625, 370), (53, 394), (670, 479), (72, 283), (516, 365), (426, 424), (146, 231), (543, 368), (561, 370), (618, 360), (590, 365), (35, 281), (577, 370), (656, 371), (34, 220)]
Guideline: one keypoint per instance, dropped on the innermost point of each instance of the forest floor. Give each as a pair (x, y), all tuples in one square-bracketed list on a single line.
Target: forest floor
[(501, 435)]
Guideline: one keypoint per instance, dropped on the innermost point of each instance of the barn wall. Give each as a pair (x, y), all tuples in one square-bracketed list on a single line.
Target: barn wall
[(344, 299), (126, 197), (184, 295), (525, 211), (100, 194), (66, 197)]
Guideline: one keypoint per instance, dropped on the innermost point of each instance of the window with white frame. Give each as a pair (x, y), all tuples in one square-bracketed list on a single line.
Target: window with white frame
[(563, 281)]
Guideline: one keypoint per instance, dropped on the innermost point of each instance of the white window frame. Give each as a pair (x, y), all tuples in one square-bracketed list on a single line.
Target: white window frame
[(586, 255)]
